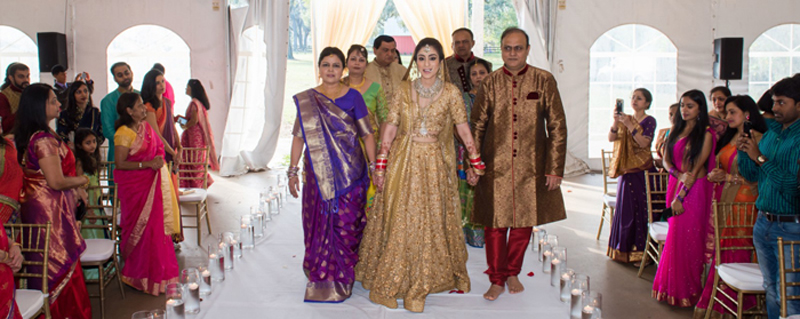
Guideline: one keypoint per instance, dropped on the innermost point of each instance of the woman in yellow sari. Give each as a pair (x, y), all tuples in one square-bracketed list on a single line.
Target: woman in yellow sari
[(413, 244)]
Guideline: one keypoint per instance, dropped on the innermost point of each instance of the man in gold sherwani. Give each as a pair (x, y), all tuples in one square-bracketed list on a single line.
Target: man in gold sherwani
[(458, 63), (521, 131), (384, 69)]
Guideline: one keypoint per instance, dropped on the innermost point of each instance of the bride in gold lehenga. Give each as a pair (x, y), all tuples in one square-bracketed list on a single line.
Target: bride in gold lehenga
[(413, 244)]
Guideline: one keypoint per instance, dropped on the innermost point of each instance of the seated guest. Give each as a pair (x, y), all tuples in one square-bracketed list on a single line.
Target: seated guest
[(10, 255), (18, 77), (632, 136), (197, 133), (717, 113), (772, 162), (51, 194), (148, 204), (731, 187), (688, 158), (79, 112)]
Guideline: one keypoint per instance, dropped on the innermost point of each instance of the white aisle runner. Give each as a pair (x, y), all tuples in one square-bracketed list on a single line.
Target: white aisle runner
[(268, 282)]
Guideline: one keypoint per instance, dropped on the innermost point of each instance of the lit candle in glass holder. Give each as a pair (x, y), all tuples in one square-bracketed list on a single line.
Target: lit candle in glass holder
[(237, 245), (274, 209), (205, 282), (226, 251), (580, 287), (566, 279), (190, 278), (174, 306), (555, 271), (277, 194), (216, 264), (258, 222), (592, 304), (246, 231), (547, 253), (540, 241), (263, 205)]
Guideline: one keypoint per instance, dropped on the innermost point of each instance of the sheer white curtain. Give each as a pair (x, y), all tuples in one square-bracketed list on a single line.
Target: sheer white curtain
[(253, 125), (538, 19), (342, 23), (433, 18)]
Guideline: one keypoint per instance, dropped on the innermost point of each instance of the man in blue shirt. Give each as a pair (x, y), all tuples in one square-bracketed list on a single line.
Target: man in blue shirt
[(773, 163), (123, 75)]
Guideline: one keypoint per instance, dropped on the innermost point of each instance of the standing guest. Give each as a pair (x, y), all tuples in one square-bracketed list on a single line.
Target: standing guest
[(148, 203), (60, 84), (10, 188), (521, 127), (197, 134), (664, 133), (478, 69), (87, 163), (731, 187), (632, 136), (169, 93), (413, 244), (458, 63), (772, 163), (331, 119), (384, 68), (717, 114), (372, 93), (18, 77), (688, 159), (79, 112), (123, 76), (51, 194), (397, 57)]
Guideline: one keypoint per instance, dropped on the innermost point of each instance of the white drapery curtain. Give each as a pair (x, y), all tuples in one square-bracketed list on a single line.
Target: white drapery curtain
[(342, 23), (250, 141), (433, 18), (538, 19)]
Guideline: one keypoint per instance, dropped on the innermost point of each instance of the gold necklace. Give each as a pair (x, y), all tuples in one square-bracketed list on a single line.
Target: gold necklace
[(326, 94), (358, 87)]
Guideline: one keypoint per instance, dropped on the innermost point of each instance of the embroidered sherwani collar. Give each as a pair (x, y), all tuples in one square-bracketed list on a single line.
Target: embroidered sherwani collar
[(462, 60), (521, 72)]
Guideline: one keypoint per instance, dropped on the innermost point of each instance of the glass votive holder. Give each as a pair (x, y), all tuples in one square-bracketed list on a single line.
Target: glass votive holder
[(263, 205), (566, 283), (158, 314), (175, 308), (273, 209), (592, 306), (216, 263), (205, 280), (258, 222), (547, 257), (190, 278), (144, 314), (579, 286), (277, 195), (246, 232), (226, 250), (236, 242), (540, 241), (560, 252), (282, 189), (535, 239), (556, 265)]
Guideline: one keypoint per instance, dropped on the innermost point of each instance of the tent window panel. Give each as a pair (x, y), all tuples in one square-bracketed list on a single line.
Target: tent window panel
[(774, 55), (16, 46)]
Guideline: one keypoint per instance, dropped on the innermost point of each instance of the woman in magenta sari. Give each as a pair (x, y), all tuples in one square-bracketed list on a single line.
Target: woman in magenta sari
[(10, 255), (149, 218), (688, 158), (331, 119), (50, 194), (197, 133)]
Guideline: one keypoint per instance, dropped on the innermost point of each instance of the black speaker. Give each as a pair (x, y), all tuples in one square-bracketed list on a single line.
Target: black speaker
[(728, 62), (52, 50)]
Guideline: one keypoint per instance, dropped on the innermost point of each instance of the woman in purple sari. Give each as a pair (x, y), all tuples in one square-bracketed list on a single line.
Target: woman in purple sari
[(688, 158), (331, 119), (148, 204)]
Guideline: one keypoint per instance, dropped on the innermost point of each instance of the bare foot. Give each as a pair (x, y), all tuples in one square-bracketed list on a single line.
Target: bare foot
[(494, 292), (514, 286)]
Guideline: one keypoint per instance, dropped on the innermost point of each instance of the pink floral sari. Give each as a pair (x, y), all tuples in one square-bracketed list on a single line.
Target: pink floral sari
[(678, 278), (199, 135), (148, 217)]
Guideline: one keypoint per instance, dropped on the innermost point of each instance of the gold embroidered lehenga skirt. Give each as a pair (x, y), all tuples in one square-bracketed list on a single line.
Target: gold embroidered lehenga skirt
[(413, 244)]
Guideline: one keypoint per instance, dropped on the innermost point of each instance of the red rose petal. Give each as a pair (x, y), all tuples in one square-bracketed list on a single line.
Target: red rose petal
[(460, 292), (453, 291), (530, 274)]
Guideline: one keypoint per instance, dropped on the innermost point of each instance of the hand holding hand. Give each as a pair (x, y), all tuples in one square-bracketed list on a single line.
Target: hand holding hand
[(717, 175), (16, 258), (156, 163), (378, 181), (472, 178)]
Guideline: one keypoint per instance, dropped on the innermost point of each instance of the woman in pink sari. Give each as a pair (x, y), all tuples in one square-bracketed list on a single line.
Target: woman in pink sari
[(148, 203), (197, 133), (688, 159)]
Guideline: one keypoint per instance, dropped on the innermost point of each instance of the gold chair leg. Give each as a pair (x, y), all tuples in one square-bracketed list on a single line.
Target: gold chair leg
[(710, 307), (199, 224), (119, 276), (644, 257), (101, 277), (208, 217), (602, 219), (739, 304)]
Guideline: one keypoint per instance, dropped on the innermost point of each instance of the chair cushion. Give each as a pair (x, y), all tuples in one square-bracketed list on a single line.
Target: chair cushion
[(97, 250), (610, 200), (742, 276), (198, 195), (29, 302), (658, 231)]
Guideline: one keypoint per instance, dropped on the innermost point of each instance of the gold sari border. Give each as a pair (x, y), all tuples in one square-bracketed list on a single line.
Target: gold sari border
[(57, 291), (8, 201), (328, 291)]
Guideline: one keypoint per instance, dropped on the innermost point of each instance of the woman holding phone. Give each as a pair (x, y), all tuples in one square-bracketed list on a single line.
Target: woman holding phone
[(197, 133), (632, 136)]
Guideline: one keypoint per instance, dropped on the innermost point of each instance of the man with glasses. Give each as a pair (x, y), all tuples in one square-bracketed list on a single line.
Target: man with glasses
[(521, 131)]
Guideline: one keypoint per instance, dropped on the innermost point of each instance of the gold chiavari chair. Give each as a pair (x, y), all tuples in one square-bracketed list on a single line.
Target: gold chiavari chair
[(191, 159), (656, 188), (34, 238), (609, 196), (101, 254), (794, 268), (733, 224)]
